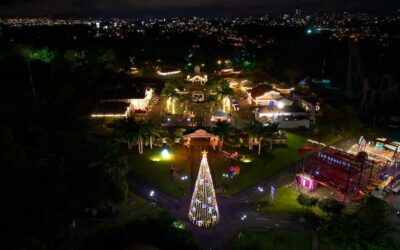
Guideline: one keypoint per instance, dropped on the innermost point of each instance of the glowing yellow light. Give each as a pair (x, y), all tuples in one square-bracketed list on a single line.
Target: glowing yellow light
[(108, 115), (168, 73), (155, 159), (226, 104), (168, 103)]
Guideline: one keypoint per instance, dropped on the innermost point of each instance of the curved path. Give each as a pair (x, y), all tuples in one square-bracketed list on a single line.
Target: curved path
[(231, 208), (231, 211)]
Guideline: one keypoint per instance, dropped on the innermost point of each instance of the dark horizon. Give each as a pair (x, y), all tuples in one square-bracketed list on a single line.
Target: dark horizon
[(177, 8)]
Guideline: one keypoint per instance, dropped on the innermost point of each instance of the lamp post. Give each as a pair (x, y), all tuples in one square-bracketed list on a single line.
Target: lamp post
[(280, 106)]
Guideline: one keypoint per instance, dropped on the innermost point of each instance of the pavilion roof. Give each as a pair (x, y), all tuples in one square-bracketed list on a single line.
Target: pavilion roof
[(200, 133)]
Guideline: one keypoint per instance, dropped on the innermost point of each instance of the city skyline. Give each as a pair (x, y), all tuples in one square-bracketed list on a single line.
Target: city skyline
[(180, 8)]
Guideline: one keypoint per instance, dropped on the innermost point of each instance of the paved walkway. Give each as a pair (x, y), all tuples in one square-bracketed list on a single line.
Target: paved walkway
[(231, 210)]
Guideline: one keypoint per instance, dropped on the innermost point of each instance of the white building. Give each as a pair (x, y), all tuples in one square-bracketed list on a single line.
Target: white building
[(197, 77), (123, 101), (264, 95)]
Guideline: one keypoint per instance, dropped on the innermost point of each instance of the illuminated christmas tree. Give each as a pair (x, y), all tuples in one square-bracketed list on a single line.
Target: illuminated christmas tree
[(203, 211)]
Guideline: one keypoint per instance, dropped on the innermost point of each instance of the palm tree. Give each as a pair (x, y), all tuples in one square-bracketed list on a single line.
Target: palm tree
[(257, 129), (140, 134), (252, 129), (270, 131), (259, 132), (131, 132), (185, 99), (152, 131), (123, 131), (211, 99), (29, 54), (212, 87), (171, 87), (170, 90), (224, 90), (224, 130)]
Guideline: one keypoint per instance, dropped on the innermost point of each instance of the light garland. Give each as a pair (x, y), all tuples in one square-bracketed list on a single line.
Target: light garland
[(168, 73), (203, 211)]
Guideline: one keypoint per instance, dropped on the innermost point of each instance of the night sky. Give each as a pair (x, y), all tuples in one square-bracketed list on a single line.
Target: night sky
[(168, 8)]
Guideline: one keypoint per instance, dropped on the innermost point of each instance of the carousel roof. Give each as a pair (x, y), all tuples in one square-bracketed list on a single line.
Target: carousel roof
[(220, 113)]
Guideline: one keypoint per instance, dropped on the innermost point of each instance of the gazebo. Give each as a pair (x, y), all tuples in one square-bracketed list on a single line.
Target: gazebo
[(201, 134)]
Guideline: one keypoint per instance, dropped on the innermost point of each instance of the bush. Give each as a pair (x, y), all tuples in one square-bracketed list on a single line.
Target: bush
[(330, 206), (368, 228), (154, 229), (306, 200)]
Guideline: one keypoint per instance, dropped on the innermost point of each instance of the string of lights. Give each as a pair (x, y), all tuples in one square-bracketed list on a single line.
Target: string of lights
[(203, 211)]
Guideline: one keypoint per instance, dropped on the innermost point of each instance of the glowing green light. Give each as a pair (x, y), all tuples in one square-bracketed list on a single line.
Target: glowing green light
[(178, 224), (309, 31)]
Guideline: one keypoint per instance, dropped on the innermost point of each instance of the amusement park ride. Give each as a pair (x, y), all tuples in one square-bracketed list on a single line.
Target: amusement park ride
[(368, 166)]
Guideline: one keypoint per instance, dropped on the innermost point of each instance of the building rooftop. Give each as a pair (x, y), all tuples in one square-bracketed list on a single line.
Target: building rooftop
[(260, 90)]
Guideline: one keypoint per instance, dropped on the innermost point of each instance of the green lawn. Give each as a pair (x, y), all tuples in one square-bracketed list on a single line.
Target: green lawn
[(153, 168), (133, 206), (268, 164), (285, 201), (275, 240)]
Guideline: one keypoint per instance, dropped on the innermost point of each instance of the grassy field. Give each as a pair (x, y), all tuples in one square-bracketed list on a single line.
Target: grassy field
[(156, 170), (268, 164), (152, 167), (133, 206), (282, 240), (285, 201)]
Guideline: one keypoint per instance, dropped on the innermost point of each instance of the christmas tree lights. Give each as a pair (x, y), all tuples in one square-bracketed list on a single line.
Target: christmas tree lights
[(203, 211)]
